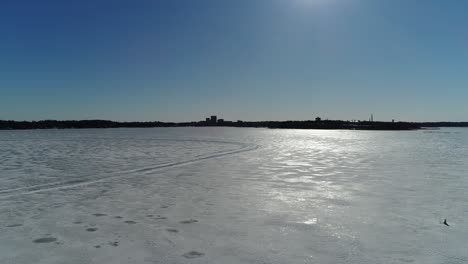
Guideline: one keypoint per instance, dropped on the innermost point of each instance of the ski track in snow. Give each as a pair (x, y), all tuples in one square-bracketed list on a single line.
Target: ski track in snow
[(87, 180)]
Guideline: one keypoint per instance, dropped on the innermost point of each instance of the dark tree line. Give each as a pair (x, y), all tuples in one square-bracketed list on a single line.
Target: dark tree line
[(444, 124), (310, 124), (50, 124)]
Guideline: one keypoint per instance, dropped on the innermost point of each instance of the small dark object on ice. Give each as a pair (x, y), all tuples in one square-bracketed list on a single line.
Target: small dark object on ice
[(445, 222)]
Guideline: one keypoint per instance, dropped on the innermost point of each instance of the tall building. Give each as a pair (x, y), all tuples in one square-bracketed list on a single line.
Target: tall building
[(213, 119)]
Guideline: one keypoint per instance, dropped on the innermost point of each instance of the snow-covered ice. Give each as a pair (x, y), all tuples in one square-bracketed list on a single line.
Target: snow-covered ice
[(229, 195)]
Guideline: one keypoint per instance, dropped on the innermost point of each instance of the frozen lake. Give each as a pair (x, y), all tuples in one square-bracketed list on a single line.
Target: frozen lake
[(231, 195)]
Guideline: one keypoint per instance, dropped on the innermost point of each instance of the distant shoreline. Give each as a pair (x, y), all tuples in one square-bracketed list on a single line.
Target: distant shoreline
[(307, 124)]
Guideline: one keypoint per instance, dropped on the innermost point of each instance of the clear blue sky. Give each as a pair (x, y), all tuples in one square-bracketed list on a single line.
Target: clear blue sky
[(180, 60)]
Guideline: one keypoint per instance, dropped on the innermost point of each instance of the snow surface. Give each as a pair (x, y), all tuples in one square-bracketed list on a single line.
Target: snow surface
[(228, 195)]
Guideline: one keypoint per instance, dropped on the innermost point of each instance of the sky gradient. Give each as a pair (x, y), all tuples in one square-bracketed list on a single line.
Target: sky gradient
[(180, 60)]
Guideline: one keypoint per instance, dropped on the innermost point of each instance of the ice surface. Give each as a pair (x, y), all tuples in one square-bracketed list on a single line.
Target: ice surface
[(228, 195)]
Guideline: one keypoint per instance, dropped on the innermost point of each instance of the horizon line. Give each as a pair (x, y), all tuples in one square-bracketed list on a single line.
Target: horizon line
[(237, 120)]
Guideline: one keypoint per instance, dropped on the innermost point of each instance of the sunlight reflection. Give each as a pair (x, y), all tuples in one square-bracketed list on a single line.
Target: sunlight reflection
[(312, 221)]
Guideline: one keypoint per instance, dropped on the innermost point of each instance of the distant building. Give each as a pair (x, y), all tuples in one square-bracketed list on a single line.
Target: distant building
[(318, 119), (220, 120), (207, 119), (213, 119)]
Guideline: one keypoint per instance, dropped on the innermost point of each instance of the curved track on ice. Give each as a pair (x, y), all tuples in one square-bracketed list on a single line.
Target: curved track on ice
[(90, 179)]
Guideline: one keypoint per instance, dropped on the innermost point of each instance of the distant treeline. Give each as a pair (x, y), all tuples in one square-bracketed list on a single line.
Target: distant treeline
[(308, 124), (49, 124), (325, 124), (444, 124), (337, 124)]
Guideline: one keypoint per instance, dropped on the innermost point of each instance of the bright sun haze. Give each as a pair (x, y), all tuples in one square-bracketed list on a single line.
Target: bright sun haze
[(181, 60)]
